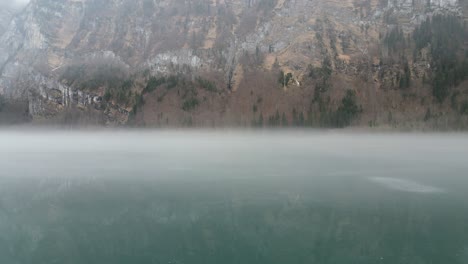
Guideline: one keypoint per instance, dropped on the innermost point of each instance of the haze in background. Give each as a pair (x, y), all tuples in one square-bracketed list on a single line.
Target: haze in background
[(14, 4)]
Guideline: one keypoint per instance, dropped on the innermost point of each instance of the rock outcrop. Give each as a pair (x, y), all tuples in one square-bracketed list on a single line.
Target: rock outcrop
[(198, 37)]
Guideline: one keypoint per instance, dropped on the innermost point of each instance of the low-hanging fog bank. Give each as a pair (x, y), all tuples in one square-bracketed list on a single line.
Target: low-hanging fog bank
[(232, 197), (244, 154)]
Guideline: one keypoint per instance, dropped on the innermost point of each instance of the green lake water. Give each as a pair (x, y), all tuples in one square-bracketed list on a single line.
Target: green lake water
[(233, 197)]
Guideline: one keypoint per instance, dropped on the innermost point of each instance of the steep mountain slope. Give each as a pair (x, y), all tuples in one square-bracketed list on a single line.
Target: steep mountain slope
[(5, 18), (250, 62)]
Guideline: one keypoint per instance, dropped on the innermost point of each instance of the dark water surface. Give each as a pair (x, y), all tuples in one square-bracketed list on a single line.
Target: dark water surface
[(233, 197)]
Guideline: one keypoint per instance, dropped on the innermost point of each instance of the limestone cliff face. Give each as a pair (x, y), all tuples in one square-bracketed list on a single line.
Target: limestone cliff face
[(412, 5), (200, 37), (5, 18)]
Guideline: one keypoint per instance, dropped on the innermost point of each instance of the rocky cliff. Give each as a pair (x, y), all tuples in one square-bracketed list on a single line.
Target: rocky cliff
[(224, 62), (5, 18)]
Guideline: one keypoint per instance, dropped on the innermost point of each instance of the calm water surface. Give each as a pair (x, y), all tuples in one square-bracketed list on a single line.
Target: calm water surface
[(233, 197)]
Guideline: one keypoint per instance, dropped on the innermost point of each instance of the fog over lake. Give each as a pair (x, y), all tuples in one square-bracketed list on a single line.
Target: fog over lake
[(233, 197)]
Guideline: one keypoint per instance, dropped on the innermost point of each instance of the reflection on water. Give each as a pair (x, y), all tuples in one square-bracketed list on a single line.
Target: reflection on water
[(232, 197), (405, 185)]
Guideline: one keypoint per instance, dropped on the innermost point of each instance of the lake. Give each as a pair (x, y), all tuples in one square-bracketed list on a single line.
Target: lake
[(232, 197)]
